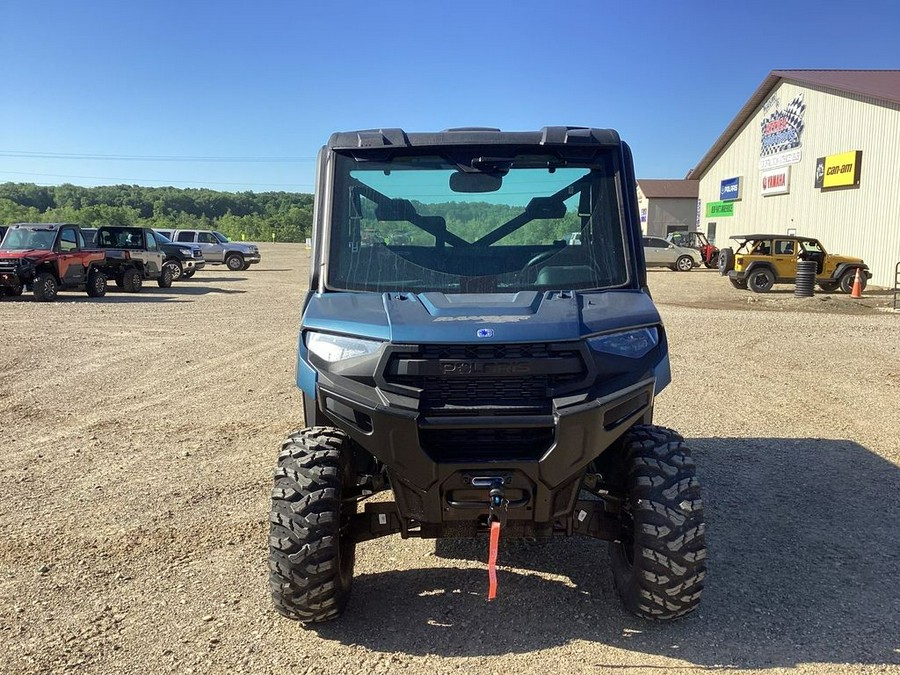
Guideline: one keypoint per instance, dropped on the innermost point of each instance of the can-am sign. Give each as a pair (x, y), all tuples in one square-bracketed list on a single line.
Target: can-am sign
[(730, 189), (776, 182), (781, 131), (841, 170)]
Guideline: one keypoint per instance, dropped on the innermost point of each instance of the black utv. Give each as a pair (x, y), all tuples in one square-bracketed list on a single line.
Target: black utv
[(459, 348)]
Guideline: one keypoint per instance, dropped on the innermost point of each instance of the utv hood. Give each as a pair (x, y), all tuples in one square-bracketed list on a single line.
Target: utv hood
[(34, 254), (526, 316)]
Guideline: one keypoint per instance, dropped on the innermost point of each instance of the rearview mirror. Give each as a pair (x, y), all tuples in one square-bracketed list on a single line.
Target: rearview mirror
[(462, 181)]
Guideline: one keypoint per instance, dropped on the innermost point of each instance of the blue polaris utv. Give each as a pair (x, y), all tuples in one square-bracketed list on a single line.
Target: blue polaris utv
[(461, 349)]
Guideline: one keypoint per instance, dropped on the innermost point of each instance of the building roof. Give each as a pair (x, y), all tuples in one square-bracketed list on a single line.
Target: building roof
[(881, 84), (669, 189)]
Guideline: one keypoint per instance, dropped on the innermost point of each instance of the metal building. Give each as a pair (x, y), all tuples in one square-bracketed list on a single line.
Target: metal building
[(814, 153), (667, 206)]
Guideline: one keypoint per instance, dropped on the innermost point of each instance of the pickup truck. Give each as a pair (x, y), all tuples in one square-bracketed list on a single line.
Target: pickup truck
[(184, 259), (132, 255), (47, 258), (217, 249)]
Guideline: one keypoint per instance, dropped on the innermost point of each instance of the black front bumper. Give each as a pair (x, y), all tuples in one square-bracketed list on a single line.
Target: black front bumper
[(446, 490), (16, 272)]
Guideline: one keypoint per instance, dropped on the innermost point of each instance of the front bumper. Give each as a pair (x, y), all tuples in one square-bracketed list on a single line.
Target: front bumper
[(192, 264), (252, 258), (447, 492), (10, 280)]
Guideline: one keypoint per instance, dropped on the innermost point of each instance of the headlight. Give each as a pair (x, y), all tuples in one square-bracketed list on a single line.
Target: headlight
[(334, 348), (633, 343), (186, 252)]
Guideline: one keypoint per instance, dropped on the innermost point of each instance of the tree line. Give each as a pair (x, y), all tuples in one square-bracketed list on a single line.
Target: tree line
[(469, 221), (248, 215), (254, 216)]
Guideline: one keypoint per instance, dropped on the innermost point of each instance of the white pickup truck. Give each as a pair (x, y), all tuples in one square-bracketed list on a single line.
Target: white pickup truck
[(217, 249)]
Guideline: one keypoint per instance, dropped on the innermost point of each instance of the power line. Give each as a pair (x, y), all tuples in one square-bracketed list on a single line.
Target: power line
[(151, 158), (154, 180)]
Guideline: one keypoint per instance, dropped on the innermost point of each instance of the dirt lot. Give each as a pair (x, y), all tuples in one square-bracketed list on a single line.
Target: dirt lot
[(140, 433)]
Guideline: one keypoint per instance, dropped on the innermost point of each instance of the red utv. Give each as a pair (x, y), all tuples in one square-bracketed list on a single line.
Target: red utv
[(48, 258)]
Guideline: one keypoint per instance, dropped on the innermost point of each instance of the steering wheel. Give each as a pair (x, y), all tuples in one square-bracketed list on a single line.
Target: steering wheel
[(540, 257)]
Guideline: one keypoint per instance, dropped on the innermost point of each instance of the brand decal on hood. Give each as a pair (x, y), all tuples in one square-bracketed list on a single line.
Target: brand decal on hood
[(485, 332)]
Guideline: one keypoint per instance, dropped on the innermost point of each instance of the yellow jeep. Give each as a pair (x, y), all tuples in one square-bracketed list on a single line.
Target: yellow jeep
[(763, 260)]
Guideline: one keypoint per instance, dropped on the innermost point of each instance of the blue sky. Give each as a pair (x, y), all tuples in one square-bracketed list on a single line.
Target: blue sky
[(240, 96)]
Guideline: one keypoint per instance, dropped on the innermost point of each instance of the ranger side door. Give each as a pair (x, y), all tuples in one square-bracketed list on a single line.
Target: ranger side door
[(69, 262), (213, 249), (155, 256)]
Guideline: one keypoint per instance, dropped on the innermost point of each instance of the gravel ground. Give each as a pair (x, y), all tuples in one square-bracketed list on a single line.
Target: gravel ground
[(141, 431)]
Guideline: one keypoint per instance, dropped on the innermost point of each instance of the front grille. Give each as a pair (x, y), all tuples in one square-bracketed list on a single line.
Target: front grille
[(477, 392), (496, 379), (500, 389), (488, 444)]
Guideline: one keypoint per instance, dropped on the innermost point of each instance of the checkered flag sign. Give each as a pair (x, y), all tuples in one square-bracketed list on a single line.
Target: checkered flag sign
[(782, 129)]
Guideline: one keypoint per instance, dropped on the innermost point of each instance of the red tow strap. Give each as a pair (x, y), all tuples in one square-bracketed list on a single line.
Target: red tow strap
[(492, 559)]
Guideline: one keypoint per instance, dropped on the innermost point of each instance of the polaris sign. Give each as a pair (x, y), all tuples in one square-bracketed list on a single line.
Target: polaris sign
[(730, 189)]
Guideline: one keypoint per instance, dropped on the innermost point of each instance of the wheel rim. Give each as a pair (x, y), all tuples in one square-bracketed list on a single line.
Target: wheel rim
[(234, 264), (847, 282), (175, 270), (685, 263), (761, 281)]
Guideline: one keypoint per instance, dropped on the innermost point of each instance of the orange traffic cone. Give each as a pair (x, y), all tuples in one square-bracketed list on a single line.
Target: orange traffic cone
[(856, 293)]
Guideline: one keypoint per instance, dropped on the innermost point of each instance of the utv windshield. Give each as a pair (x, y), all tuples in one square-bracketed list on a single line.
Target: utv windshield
[(475, 223), (28, 238)]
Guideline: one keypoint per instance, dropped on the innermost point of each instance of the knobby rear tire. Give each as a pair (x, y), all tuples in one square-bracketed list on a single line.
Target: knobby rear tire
[(96, 284), (131, 280), (660, 563), (45, 287), (165, 277), (311, 552)]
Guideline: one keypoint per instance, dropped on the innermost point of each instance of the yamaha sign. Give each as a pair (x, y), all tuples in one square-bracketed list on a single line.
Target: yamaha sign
[(730, 189)]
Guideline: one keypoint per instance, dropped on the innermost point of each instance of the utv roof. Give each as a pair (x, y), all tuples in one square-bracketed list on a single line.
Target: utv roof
[(548, 136), (773, 236)]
